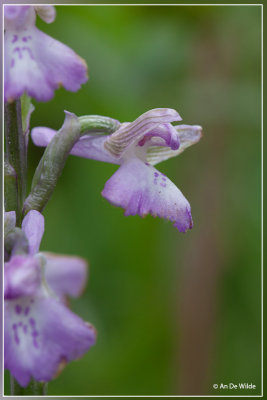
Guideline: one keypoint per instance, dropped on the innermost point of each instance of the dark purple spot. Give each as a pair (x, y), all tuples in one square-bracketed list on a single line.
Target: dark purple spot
[(35, 333), (16, 339), (20, 324), (156, 174), (163, 185), (147, 163), (25, 329), (12, 63), (18, 309), (14, 326), (15, 38), (32, 321), (26, 38), (142, 142), (164, 179), (27, 310), (35, 343)]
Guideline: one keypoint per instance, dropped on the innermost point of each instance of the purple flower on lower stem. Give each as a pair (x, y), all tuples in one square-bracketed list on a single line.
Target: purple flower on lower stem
[(137, 146), (40, 333), (34, 62)]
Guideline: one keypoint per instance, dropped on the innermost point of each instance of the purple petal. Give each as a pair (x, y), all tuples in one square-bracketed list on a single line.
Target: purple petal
[(42, 136), (33, 227), (12, 12), (167, 132), (21, 277), (40, 335), (141, 189), (37, 64), (47, 13), (131, 133), (88, 146), (187, 136), (65, 275)]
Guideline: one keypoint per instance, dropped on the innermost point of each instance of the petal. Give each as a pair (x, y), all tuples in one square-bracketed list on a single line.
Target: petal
[(65, 275), (37, 64), (141, 189), (131, 133), (22, 276), (164, 132), (42, 136), (16, 13), (42, 336), (187, 134), (47, 13), (89, 146), (33, 227), (10, 221)]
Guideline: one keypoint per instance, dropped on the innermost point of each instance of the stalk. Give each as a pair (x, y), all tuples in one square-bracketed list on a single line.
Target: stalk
[(16, 150), (34, 388)]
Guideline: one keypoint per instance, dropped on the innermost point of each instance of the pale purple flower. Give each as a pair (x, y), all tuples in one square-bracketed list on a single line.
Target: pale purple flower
[(137, 146), (40, 333), (34, 62)]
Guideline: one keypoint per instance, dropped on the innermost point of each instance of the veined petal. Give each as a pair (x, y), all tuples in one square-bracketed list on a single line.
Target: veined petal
[(46, 13), (22, 276), (88, 146), (37, 64), (43, 336), (131, 133), (65, 275), (33, 227), (141, 189), (187, 134)]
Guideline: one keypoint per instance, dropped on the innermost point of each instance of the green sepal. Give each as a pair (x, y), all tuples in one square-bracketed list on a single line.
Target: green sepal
[(51, 164), (16, 242)]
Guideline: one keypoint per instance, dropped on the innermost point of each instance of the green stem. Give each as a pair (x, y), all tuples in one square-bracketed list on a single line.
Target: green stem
[(10, 187), (34, 388), (16, 150)]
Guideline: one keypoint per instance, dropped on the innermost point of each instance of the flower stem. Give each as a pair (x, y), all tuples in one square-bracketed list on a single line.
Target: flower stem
[(16, 150), (34, 388)]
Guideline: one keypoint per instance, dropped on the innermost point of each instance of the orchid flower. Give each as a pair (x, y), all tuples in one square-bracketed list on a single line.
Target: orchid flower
[(34, 62), (137, 146), (41, 334)]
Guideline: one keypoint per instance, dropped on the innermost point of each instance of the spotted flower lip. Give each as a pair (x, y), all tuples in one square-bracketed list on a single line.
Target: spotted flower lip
[(40, 332), (34, 62), (137, 146)]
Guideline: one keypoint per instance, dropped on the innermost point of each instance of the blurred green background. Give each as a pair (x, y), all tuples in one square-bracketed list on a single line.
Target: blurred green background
[(175, 313)]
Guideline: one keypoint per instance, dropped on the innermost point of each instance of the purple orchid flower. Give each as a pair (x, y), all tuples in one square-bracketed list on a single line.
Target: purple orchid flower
[(40, 333), (34, 62), (137, 186)]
